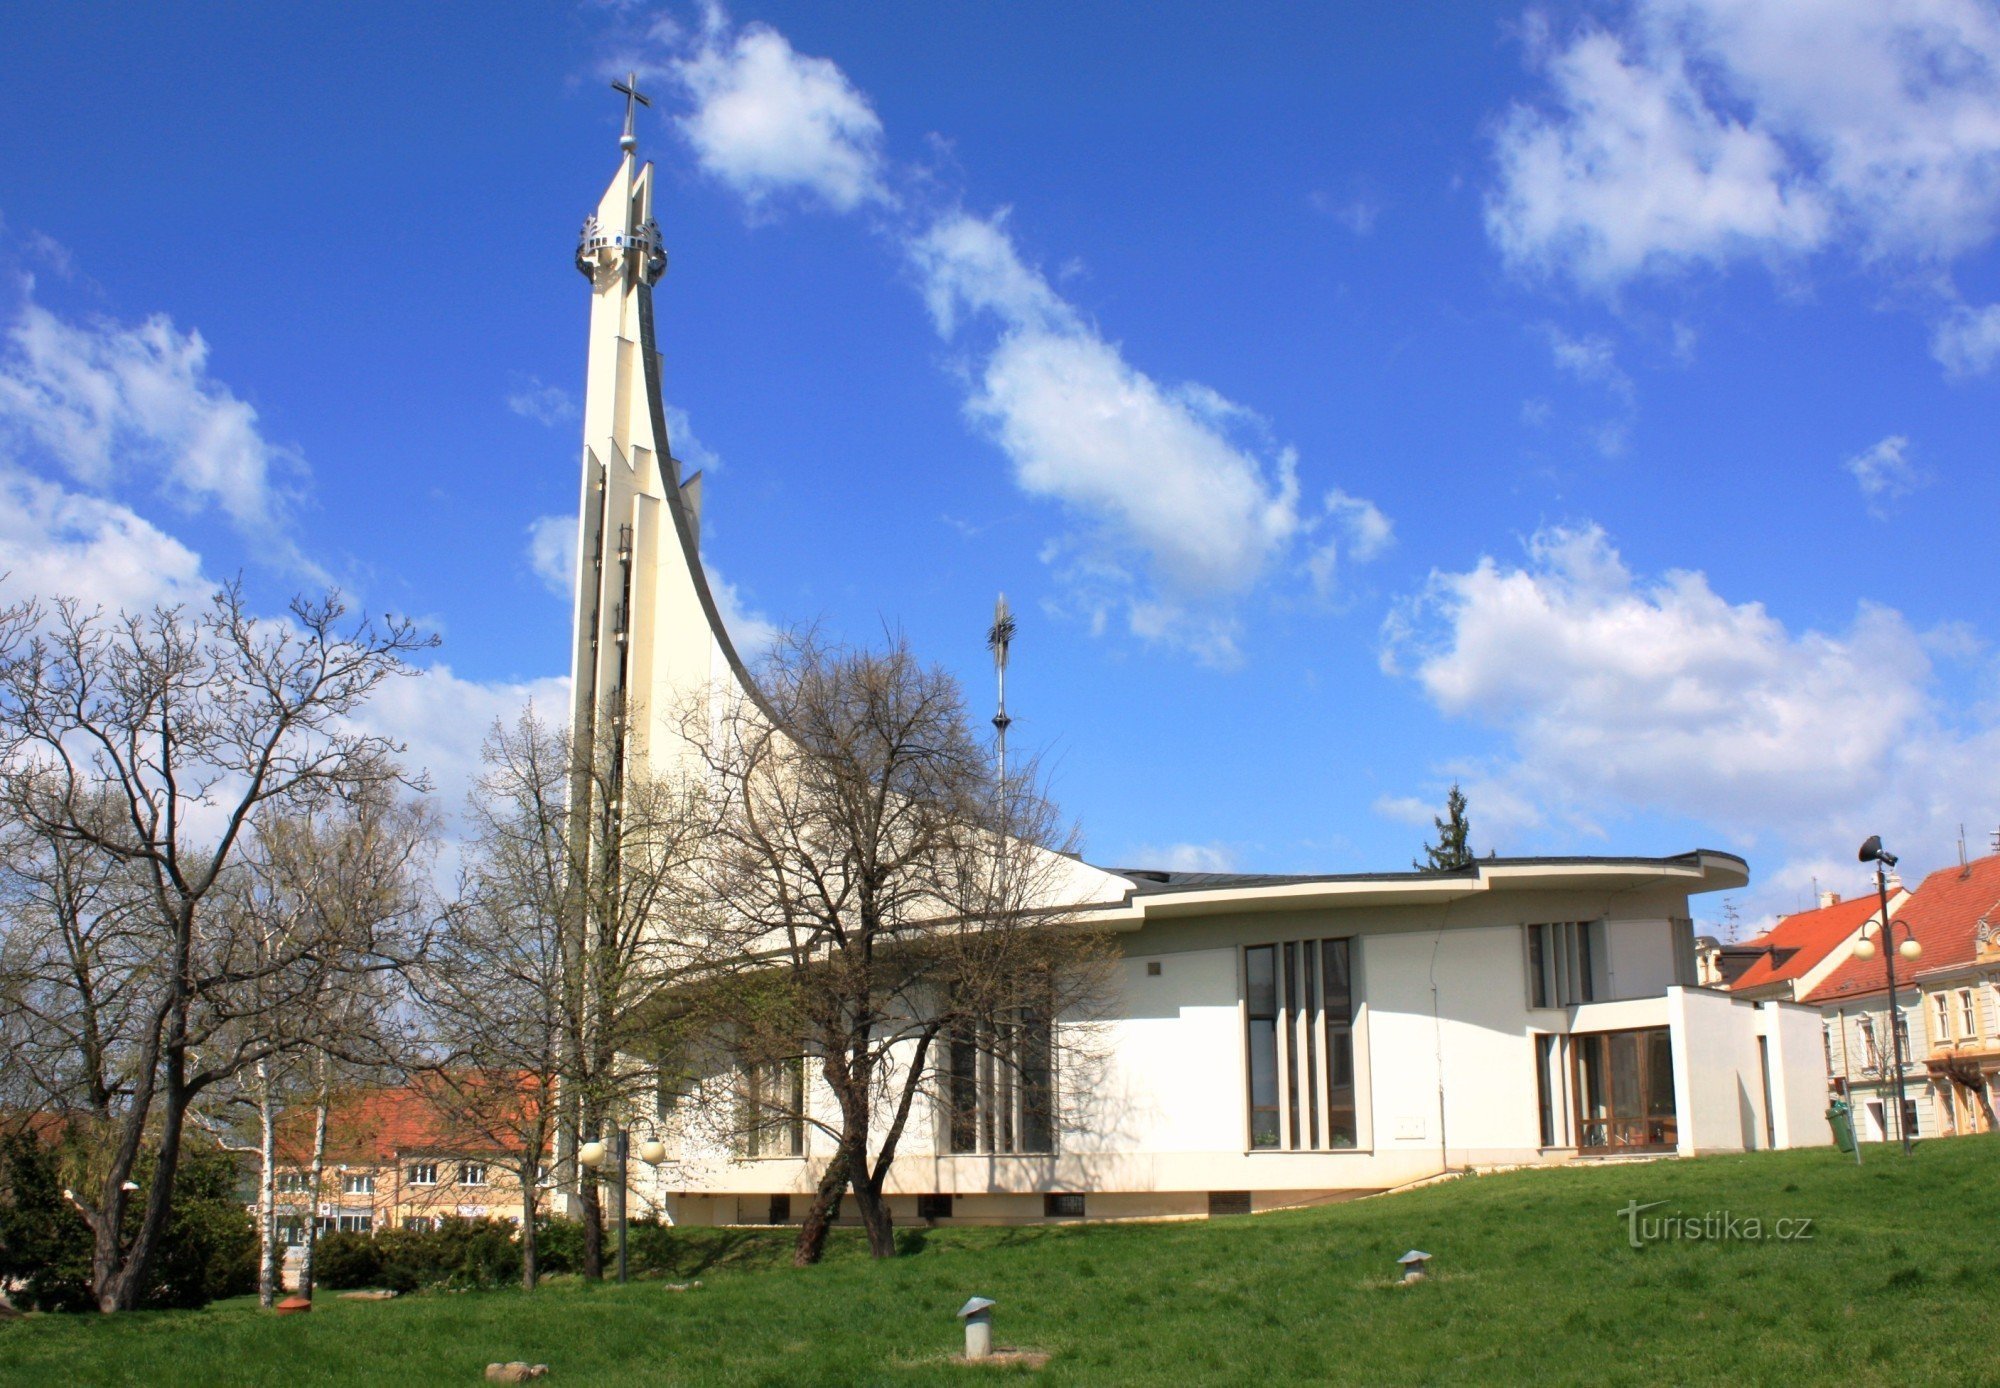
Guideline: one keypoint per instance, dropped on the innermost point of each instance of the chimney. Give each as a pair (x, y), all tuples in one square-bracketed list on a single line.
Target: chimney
[(1827, 899)]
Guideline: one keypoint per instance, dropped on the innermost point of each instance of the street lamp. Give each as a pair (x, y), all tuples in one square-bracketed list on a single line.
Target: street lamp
[(595, 1153), (1873, 852)]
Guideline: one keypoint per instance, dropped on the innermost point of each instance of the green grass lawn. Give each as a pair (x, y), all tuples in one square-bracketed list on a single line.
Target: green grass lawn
[(1535, 1282)]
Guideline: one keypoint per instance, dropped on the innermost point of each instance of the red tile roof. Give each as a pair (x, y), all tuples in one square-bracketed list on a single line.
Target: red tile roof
[(1943, 914), (466, 1117), (1797, 943)]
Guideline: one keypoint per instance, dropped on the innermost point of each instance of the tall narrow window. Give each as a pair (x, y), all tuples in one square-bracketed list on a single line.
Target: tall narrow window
[(1301, 1092), (1337, 969), (1000, 1085), (1260, 965), (1547, 1072), (1562, 962), (773, 1121)]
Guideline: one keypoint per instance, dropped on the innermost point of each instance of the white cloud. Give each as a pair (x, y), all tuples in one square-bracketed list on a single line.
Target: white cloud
[(1179, 500), (1186, 857), (1704, 131), (768, 119), (1182, 502), (1619, 695), (692, 452), (59, 543), (1967, 340), (552, 552), (544, 404), (1360, 527), (1358, 213), (1590, 357), (111, 404), (444, 720), (1885, 474), (751, 631)]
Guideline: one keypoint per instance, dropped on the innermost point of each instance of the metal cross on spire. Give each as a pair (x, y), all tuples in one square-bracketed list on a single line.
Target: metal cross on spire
[(999, 637), (634, 98)]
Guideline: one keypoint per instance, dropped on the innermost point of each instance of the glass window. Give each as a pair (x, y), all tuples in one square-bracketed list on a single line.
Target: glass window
[(773, 1120), (1968, 1019), (355, 1183), (424, 1173), (1000, 1085), (1546, 1072), (1301, 1094), (472, 1173), (1625, 1090), (1260, 965)]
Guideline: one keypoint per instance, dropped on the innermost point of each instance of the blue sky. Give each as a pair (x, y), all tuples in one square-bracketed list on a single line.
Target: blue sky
[(1594, 404)]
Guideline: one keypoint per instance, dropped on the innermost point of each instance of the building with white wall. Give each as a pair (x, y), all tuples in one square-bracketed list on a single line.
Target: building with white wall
[(1268, 1039)]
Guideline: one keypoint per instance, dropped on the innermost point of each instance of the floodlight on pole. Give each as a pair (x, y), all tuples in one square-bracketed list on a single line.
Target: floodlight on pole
[(1873, 852)]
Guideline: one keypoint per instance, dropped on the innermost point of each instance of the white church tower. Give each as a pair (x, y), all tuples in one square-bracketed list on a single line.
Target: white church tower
[(648, 636)]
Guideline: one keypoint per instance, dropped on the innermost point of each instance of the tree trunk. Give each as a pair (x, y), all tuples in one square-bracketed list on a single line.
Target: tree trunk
[(875, 1216), (529, 1269), (269, 1254), (593, 1228), (126, 1287), (825, 1208), (313, 1181)]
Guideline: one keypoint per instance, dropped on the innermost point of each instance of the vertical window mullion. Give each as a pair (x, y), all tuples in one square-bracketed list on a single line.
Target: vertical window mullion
[(1310, 1023)]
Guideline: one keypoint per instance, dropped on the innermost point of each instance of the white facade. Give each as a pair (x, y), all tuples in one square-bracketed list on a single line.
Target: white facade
[(1447, 1042)]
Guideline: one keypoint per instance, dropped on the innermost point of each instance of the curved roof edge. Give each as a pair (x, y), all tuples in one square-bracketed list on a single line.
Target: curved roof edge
[(1158, 894), (678, 510)]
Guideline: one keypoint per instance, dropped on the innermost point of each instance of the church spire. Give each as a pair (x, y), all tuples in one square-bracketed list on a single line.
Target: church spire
[(647, 635)]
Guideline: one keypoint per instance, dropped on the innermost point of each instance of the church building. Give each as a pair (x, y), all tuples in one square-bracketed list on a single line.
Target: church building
[(1272, 1039)]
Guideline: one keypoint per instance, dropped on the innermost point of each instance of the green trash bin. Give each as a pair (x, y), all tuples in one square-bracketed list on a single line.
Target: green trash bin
[(1841, 1119)]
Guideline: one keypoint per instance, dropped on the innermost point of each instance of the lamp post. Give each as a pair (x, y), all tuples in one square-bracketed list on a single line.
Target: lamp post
[(1873, 852), (595, 1153)]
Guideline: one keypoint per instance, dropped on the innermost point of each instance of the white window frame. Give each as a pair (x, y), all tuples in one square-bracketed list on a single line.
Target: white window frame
[(1968, 1015), (423, 1173), (357, 1183), (472, 1173)]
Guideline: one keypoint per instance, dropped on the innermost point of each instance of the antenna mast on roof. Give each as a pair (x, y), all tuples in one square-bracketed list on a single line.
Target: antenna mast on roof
[(999, 637)]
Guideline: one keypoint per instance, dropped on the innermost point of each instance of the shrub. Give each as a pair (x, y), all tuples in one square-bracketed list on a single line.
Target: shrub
[(346, 1262), (208, 1249)]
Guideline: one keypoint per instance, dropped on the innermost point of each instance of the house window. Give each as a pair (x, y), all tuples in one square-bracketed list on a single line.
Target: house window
[(294, 1182), (421, 1224), (472, 1173), (1871, 1049), (1066, 1206), (291, 1230), (424, 1173), (1000, 1085), (356, 1183), (356, 1223), (933, 1207), (772, 1108), (1299, 1044), (1940, 1017), (1625, 1090), (1563, 958), (1968, 1016), (1548, 1085)]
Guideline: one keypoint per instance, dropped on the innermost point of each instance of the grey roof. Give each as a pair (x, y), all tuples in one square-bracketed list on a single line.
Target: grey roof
[(1156, 882)]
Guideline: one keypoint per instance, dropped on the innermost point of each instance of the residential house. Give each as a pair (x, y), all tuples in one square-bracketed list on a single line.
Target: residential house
[(400, 1157), (1946, 1002)]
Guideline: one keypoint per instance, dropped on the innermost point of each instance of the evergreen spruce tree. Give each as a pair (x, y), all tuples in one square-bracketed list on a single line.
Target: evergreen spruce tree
[(1453, 848)]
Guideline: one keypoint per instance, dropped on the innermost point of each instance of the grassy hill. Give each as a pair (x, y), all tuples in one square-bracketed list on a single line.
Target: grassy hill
[(1535, 1281)]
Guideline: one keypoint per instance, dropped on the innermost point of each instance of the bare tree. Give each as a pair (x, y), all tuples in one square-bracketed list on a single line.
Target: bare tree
[(555, 971), (336, 888), (894, 898), (189, 724)]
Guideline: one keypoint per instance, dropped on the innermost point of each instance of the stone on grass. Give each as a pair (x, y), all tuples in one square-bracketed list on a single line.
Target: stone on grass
[(375, 1294), (516, 1372), (293, 1305)]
